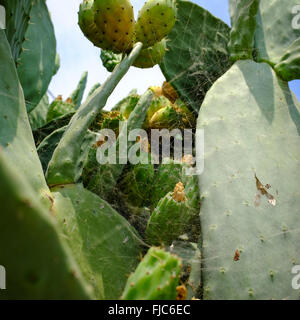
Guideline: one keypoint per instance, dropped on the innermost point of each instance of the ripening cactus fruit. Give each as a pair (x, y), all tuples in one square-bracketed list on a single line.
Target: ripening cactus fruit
[(86, 21), (151, 56), (169, 92), (155, 21), (156, 104), (169, 219), (59, 108), (155, 278), (115, 24)]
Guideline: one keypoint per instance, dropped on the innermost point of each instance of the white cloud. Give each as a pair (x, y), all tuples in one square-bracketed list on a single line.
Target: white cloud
[(78, 54)]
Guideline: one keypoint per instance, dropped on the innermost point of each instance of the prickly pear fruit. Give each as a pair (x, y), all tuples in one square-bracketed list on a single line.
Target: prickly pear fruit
[(169, 92), (155, 278), (157, 91), (110, 60), (166, 117), (151, 56), (137, 183), (115, 23), (155, 21), (156, 104), (59, 108), (86, 21), (169, 219), (128, 105)]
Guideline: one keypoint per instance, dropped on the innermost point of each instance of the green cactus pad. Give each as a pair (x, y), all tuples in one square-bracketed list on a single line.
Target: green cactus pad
[(274, 36), (36, 63), (38, 115), (136, 184), (78, 93), (38, 262), (47, 146), (249, 195), (169, 219), (63, 167), (94, 88), (41, 133), (243, 20), (17, 22), (289, 66), (151, 56), (115, 24), (15, 132), (155, 21), (197, 53), (102, 179), (190, 255), (103, 243), (155, 278), (128, 105), (59, 108), (166, 177)]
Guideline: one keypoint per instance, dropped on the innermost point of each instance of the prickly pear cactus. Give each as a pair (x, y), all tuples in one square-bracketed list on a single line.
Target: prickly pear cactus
[(60, 108), (136, 184), (155, 21), (169, 218), (17, 22), (36, 63), (248, 191), (77, 94), (193, 63), (156, 277), (81, 223)]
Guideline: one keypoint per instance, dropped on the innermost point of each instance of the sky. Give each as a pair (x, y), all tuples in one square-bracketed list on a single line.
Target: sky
[(78, 54)]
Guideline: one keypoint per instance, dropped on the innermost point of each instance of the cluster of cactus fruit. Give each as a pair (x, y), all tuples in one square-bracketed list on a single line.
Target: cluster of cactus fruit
[(136, 231), (110, 25)]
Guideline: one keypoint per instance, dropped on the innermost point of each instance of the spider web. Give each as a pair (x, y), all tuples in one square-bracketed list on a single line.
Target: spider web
[(197, 56)]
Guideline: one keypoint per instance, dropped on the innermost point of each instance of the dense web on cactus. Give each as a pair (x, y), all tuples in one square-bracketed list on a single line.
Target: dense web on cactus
[(200, 65)]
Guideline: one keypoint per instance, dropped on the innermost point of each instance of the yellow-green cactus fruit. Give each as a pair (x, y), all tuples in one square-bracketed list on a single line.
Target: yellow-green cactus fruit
[(86, 21), (155, 21), (151, 56), (115, 23)]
